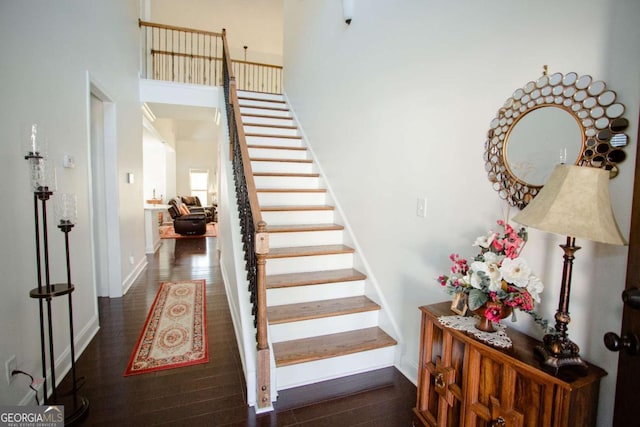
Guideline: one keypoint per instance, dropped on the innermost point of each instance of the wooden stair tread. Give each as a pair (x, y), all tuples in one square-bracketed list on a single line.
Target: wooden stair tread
[(288, 174), (260, 107), (313, 278), (276, 147), (291, 190), (266, 116), (249, 98), (302, 227), (264, 125), (258, 92), (266, 159), (285, 208), (319, 309), (299, 251), (268, 135), (333, 345)]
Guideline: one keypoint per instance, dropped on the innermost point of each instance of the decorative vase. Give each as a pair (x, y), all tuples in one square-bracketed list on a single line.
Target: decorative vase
[(484, 323)]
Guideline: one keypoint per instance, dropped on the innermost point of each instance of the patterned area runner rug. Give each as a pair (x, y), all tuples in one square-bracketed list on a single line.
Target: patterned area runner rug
[(175, 332), (167, 232)]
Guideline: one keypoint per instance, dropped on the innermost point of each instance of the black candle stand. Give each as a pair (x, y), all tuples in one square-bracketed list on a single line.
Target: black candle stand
[(75, 405)]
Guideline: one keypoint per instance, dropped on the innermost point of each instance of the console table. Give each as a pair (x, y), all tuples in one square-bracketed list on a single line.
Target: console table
[(464, 382)]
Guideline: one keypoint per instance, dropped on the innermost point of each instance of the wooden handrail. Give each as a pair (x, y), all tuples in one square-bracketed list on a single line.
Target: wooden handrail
[(185, 55), (260, 64), (255, 234), (248, 172), (142, 23)]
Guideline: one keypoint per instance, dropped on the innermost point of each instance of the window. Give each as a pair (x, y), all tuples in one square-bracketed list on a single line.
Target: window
[(198, 180)]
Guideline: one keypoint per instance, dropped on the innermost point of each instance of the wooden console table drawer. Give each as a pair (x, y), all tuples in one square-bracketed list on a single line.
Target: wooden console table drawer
[(464, 382)]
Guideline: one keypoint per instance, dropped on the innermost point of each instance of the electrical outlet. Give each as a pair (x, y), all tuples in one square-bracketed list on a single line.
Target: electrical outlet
[(10, 365)]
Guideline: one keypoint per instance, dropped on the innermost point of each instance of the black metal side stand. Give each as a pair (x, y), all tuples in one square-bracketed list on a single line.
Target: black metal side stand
[(76, 406)]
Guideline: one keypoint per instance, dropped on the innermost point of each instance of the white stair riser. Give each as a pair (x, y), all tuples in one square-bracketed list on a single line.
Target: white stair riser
[(270, 130), (271, 153), (286, 181), (258, 104), (264, 112), (261, 95), (323, 326), (281, 167), (306, 238), (307, 293), (309, 263), (291, 199), (270, 140), (335, 367), (298, 217), (249, 120)]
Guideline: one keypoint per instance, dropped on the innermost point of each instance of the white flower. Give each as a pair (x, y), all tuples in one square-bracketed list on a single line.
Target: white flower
[(485, 241), (466, 280), (489, 270), (516, 271), (535, 287), (492, 258)]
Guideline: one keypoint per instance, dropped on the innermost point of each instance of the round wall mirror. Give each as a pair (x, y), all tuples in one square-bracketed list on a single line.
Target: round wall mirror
[(556, 119)]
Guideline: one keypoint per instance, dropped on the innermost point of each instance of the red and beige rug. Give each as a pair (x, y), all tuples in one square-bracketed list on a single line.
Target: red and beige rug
[(175, 332), (167, 232)]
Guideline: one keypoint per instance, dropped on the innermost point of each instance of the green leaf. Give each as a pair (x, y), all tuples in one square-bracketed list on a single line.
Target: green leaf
[(476, 299)]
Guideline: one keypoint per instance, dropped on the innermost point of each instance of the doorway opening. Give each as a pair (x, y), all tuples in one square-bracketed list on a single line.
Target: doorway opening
[(103, 193)]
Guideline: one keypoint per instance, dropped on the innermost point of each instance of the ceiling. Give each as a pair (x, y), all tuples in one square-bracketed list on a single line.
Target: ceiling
[(189, 123)]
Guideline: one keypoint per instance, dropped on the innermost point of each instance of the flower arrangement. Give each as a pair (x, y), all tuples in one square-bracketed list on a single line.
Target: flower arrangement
[(497, 275)]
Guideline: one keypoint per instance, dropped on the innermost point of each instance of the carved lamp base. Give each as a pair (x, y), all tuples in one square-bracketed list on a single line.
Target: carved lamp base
[(559, 353)]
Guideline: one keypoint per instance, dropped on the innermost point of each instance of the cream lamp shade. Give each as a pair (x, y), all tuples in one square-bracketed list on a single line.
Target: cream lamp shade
[(574, 202)]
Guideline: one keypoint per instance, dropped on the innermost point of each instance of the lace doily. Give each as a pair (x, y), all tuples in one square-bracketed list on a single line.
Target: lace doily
[(498, 338)]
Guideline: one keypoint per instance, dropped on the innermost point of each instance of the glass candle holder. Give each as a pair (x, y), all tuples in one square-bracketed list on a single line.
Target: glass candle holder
[(34, 140), (66, 208), (43, 176)]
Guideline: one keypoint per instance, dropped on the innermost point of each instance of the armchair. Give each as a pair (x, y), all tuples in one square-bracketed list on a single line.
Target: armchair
[(186, 222), (193, 202)]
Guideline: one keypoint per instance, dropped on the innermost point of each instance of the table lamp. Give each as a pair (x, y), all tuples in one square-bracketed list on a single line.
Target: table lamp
[(574, 202)]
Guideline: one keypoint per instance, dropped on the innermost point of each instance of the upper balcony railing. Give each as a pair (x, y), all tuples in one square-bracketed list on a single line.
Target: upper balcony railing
[(185, 55)]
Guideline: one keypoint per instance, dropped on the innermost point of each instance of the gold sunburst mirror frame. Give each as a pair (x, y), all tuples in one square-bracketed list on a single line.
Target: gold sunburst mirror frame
[(555, 119)]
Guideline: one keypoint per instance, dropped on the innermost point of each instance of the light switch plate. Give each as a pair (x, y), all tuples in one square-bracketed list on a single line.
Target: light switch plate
[(69, 161), (421, 207)]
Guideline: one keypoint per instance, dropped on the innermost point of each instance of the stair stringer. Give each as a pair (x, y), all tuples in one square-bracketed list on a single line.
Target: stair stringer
[(372, 287)]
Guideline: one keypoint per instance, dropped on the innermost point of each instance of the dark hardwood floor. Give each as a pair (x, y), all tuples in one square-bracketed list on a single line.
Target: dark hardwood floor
[(213, 394)]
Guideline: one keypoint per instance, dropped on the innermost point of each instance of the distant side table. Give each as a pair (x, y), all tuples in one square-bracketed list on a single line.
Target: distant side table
[(161, 213)]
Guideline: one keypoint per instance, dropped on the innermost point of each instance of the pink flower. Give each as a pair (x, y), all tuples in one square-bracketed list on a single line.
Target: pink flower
[(493, 313)]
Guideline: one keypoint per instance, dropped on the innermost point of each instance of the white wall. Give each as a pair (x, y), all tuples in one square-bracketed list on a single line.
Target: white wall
[(154, 165), (397, 106), (47, 51), (256, 24)]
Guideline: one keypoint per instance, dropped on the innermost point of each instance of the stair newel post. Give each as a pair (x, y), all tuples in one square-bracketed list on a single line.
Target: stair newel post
[(264, 359)]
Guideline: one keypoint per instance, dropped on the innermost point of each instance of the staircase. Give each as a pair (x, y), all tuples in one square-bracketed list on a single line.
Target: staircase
[(321, 324)]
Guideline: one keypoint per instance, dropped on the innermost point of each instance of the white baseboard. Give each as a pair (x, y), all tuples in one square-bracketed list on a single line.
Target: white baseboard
[(131, 278)]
